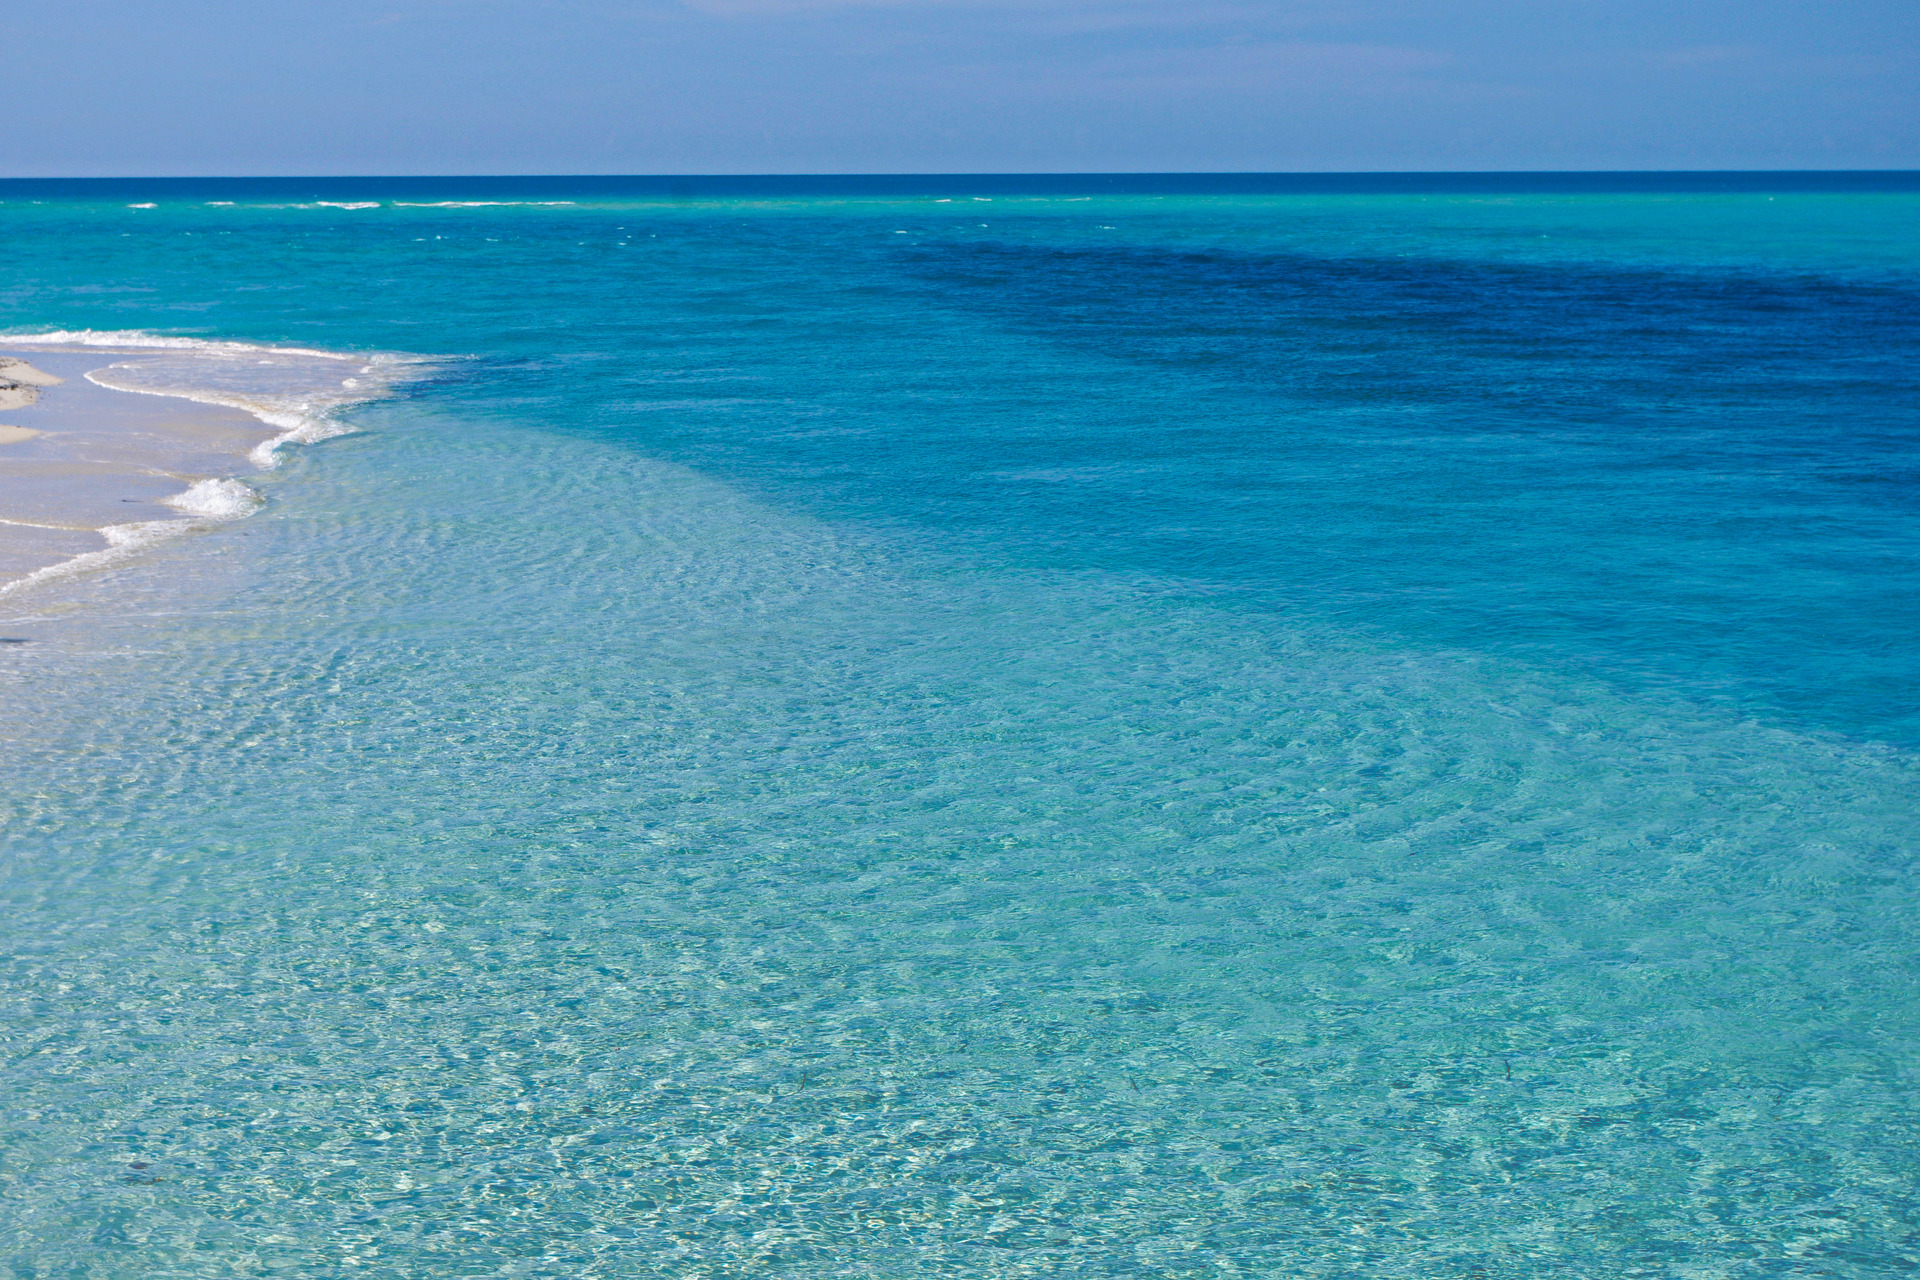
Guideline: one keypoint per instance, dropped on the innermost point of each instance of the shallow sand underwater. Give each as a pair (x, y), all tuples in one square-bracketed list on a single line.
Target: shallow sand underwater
[(989, 732), (100, 460), (111, 448)]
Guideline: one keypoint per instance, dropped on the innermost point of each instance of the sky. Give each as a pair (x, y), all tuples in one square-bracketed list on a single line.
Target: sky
[(312, 87)]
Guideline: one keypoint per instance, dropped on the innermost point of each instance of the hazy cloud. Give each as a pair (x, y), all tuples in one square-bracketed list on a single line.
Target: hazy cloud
[(213, 86)]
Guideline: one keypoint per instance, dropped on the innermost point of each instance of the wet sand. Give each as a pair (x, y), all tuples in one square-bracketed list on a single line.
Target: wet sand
[(85, 469)]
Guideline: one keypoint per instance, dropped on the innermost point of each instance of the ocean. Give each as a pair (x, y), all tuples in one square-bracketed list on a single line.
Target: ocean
[(1185, 726)]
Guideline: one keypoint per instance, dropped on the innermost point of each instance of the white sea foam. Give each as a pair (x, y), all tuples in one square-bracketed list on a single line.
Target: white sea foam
[(296, 390), (471, 204), (205, 502), (141, 338), (216, 500), (343, 204)]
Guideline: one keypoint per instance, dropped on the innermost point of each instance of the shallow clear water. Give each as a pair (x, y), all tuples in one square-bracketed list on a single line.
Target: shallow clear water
[(1264, 732)]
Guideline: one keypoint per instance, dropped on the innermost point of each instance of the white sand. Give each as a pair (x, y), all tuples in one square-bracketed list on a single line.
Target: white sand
[(20, 385), (80, 464)]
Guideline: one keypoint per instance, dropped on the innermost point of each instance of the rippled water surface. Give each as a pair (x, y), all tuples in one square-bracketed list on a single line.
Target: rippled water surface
[(987, 728)]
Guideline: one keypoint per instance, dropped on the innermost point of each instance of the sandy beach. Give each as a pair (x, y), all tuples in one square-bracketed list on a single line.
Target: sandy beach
[(88, 473)]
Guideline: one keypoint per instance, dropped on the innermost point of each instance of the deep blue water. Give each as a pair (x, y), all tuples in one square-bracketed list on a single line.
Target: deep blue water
[(1167, 725)]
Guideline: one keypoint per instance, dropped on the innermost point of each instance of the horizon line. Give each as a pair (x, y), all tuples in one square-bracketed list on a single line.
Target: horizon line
[(956, 173)]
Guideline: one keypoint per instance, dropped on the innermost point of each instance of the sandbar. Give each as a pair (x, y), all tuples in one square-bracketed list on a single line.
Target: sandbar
[(79, 463), (20, 384)]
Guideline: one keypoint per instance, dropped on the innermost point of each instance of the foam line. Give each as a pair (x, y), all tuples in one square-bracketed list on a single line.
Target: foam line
[(142, 338), (296, 390), (206, 503)]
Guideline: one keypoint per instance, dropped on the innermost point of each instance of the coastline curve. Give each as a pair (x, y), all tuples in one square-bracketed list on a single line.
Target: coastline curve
[(58, 471)]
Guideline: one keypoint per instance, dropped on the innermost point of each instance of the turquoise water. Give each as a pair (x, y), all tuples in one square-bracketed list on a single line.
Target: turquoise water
[(1251, 729)]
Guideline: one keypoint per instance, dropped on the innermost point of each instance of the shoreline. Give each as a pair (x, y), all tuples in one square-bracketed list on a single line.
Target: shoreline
[(89, 475), (113, 442)]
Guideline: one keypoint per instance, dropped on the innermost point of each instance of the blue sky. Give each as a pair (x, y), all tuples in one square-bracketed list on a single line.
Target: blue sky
[(118, 87)]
